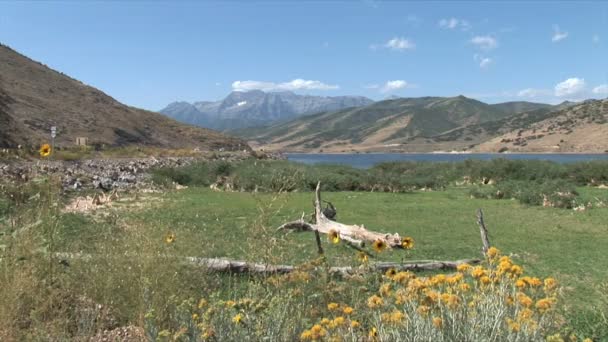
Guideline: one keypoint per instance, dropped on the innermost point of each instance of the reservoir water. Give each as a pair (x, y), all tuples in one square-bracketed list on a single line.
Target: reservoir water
[(367, 160)]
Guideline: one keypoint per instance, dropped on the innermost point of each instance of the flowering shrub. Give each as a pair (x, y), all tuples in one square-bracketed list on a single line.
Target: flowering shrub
[(492, 301)]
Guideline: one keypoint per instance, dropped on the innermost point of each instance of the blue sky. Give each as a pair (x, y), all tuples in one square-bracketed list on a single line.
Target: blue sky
[(148, 54)]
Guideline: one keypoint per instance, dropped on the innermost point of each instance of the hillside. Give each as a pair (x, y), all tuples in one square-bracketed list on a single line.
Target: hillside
[(256, 108), (404, 124), (34, 97), (581, 127)]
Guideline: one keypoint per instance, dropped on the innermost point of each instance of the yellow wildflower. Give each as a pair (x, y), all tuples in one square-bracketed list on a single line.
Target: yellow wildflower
[(485, 280), (533, 281), (306, 335), (402, 277), (437, 322), (423, 310), (194, 316), (230, 303), (390, 272), (379, 245), (237, 319), (325, 321), (354, 324), (431, 297), (438, 279), (513, 325), (338, 321), (455, 278), (478, 272), (373, 332), (374, 301), (544, 304), (493, 253), (464, 287), (170, 238), (407, 242), (450, 300), (385, 290), (525, 315), (463, 267), (516, 270), (362, 257), (520, 283), (45, 150), (550, 284), (317, 332), (348, 310), (202, 303), (334, 236), (333, 306), (524, 299)]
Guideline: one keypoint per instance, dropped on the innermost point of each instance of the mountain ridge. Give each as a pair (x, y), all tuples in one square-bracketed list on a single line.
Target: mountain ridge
[(240, 109), (428, 124)]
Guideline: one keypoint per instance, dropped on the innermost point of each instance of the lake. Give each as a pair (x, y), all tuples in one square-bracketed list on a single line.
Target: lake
[(367, 160)]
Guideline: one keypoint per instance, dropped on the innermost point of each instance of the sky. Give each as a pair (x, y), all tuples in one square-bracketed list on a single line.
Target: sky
[(149, 54)]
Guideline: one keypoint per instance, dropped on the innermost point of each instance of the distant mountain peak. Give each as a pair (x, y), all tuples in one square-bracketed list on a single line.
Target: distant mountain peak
[(240, 109)]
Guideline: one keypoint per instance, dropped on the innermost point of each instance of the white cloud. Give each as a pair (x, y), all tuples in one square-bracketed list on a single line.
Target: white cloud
[(394, 85), (533, 93), (454, 23), (485, 42), (601, 89), (571, 88), (484, 62), (400, 44), (558, 35), (297, 84)]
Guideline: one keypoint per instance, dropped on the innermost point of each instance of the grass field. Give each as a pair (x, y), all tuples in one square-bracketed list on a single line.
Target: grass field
[(565, 244), (547, 241)]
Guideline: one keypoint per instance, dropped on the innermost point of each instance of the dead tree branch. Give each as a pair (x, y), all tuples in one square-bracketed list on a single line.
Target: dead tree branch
[(484, 232)]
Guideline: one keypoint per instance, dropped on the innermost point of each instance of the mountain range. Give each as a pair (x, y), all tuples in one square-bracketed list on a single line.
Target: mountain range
[(241, 109), (34, 97), (429, 124)]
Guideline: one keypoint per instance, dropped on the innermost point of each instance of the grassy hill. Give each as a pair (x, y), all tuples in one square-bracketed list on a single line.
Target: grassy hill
[(34, 97), (377, 126)]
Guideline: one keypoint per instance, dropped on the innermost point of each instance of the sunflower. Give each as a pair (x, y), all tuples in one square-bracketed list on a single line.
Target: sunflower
[(379, 245), (334, 236), (362, 257), (170, 238), (45, 150), (407, 243)]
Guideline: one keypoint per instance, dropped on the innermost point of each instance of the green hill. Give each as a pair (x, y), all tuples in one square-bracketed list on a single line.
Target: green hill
[(377, 126)]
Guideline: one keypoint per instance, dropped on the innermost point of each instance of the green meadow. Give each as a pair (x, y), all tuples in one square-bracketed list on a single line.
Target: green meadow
[(137, 273)]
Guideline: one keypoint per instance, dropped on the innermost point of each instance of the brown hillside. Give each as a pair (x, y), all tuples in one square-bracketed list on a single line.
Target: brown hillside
[(578, 128), (34, 97)]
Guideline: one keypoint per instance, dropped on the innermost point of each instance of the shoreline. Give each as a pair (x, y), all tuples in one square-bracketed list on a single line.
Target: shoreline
[(446, 153)]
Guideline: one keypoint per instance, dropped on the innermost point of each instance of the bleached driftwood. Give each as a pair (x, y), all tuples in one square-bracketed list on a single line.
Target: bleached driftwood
[(239, 266), (353, 234)]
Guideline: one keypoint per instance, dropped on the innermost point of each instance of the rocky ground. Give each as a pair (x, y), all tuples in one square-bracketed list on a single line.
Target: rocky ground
[(104, 174)]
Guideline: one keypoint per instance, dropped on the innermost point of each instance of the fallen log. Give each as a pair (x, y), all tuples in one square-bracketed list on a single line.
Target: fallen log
[(222, 265), (353, 234)]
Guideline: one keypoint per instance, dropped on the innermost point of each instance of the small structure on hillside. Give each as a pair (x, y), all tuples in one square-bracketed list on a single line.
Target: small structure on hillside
[(82, 141)]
